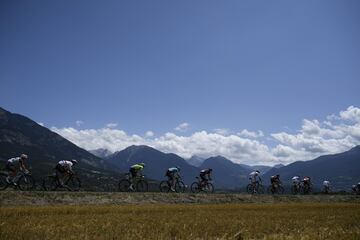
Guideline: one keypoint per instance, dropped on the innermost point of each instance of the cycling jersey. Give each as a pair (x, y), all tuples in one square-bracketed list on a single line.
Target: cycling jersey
[(205, 171), (274, 179), (15, 160), (326, 183), (306, 179), (136, 167), (173, 170), (205, 174), (253, 176), (64, 165), (296, 179)]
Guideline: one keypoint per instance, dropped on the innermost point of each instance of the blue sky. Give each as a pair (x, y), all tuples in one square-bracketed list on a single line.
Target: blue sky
[(152, 65)]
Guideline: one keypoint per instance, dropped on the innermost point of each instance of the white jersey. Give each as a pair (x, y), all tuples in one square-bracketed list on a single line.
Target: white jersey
[(15, 160), (253, 176), (326, 183), (66, 164), (296, 179)]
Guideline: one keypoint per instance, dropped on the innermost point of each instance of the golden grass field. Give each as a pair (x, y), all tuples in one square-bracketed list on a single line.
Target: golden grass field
[(186, 221)]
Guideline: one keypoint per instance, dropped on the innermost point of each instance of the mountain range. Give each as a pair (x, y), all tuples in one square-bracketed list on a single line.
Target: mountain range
[(342, 169), (19, 134)]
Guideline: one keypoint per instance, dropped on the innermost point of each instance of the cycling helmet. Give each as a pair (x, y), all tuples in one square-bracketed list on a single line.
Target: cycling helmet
[(178, 168), (74, 161), (257, 171), (24, 156), (142, 164), (278, 175), (210, 169)]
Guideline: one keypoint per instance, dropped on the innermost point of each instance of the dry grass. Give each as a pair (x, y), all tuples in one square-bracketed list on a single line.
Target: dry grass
[(159, 221)]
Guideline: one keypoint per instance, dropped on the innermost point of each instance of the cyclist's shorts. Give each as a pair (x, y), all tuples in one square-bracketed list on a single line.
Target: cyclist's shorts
[(170, 174)]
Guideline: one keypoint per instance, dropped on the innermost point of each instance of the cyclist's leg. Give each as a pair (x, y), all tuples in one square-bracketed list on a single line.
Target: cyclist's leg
[(10, 168), (202, 180), (172, 181), (133, 176), (16, 174), (253, 183), (60, 176)]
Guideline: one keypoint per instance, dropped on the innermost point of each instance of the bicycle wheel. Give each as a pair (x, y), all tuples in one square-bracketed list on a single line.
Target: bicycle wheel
[(3, 182), (142, 186), (180, 187), (270, 190), (49, 183), (124, 185), (260, 189), (74, 184), (209, 188), (306, 190), (164, 186), (294, 190), (195, 187), (26, 183), (250, 189)]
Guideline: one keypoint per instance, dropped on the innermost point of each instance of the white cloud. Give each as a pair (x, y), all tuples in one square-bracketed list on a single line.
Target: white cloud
[(201, 143), (183, 127), (222, 131), (79, 123), (314, 138), (149, 134), (248, 134), (111, 139), (111, 125), (337, 134), (351, 113)]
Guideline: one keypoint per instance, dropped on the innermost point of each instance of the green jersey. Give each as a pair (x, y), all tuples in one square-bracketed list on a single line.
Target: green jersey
[(137, 167)]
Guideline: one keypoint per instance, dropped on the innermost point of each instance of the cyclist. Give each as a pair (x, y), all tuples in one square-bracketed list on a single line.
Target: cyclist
[(254, 177), (14, 165), (307, 183), (296, 182), (205, 176), (326, 185), (356, 188), (64, 170), (172, 174), (135, 171), (275, 181)]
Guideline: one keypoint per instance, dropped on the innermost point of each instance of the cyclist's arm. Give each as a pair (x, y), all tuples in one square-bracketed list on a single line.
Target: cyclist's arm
[(22, 166), (69, 169)]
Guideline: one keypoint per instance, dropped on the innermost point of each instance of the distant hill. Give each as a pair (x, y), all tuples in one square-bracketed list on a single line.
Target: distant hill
[(195, 161), (279, 165), (156, 162), (101, 152), (226, 173), (342, 169), (19, 134)]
